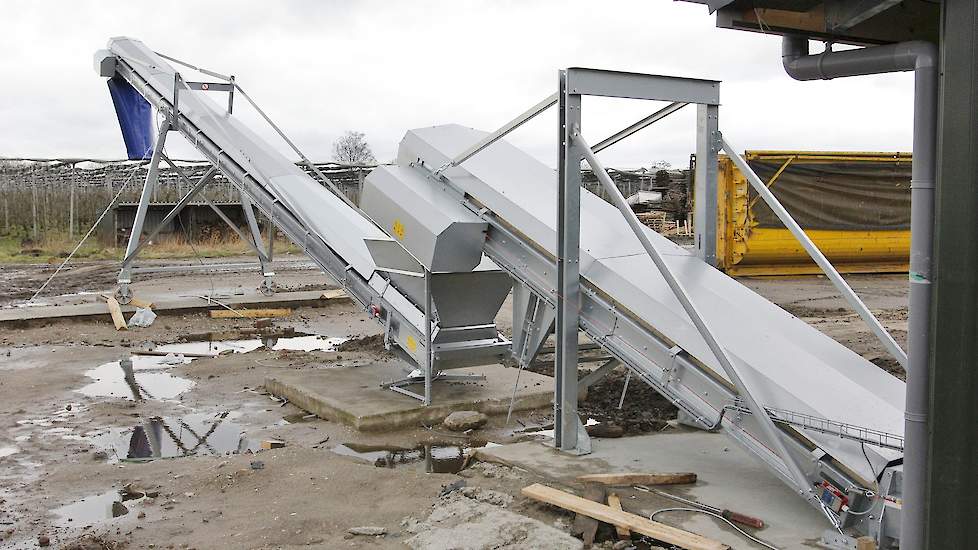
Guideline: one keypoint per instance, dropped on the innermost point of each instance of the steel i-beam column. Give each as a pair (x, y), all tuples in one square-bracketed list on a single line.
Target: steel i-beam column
[(705, 183), (951, 494), (568, 268)]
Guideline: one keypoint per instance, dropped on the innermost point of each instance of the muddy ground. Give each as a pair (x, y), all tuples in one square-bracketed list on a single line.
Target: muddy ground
[(59, 446)]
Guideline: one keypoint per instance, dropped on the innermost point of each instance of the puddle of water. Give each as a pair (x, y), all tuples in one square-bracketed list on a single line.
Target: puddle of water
[(143, 377), (169, 437), (94, 509), (307, 342), (437, 458), (216, 347), (7, 451), (135, 379)]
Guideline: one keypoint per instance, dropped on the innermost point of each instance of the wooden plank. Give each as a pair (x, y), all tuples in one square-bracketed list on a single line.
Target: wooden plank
[(249, 313), (334, 293), (638, 524), (137, 302), (615, 503), (627, 479), (116, 311)]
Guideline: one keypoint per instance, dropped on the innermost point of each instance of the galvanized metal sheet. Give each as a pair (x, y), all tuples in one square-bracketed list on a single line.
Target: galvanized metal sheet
[(426, 219)]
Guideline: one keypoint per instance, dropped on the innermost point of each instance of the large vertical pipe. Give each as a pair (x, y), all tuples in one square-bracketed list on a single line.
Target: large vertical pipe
[(920, 57)]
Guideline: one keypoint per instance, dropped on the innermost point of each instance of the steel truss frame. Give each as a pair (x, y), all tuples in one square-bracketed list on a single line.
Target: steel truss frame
[(705, 399), (403, 322), (136, 243)]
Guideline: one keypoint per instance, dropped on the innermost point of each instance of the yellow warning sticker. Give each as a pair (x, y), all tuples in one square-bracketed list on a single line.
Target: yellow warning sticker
[(398, 230), (412, 344)]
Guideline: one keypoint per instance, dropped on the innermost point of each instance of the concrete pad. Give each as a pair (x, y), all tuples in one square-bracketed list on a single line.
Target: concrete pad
[(354, 396), (727, 478), (177, 306)]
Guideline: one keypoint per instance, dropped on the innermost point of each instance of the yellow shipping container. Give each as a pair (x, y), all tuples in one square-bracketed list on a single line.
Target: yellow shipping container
[(746, 246)]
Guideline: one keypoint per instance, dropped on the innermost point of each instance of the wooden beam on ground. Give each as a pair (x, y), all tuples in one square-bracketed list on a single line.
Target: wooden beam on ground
[(136, 302), (335, 293), (615, 503), (116, 311), (628, 479), (638, 524), (250, 313)]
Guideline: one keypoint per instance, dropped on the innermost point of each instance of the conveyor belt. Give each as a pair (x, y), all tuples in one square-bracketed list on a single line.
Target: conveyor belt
[(788, 364)]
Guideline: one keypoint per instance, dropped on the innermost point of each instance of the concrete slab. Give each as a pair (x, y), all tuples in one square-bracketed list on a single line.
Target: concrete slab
[(39, 315), (727, 478), (354, 396)]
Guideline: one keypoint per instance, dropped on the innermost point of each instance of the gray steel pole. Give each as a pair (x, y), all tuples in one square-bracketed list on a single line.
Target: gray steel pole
[(427, 338), (705, 183), (568, 269), (920, 57), (833, 275), (952, 485), (771, 432), (152, 174)]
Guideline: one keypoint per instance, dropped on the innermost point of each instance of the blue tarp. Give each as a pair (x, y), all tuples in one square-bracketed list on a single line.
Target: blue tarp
[(135, 118)]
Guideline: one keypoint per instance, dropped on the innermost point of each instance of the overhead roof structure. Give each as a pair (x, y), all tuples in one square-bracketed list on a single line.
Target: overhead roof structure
[(950, 495), (858, 22)]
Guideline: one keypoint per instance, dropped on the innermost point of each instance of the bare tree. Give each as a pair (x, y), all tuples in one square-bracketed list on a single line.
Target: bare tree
[(353, 148)]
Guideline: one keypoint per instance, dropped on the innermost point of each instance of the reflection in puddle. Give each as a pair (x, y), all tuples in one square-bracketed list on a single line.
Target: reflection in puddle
[(137, 378), (438, 458), (142, 376), (94, 509), (308, 342), (168, 437)]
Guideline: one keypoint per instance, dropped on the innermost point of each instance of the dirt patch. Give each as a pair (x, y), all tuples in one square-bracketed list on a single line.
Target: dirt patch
[(803, 311), (464, 520), (21, 281), (643, 410), (366, 344)]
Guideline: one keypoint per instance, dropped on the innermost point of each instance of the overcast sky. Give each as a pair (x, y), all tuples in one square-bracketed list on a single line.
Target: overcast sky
[(320, 68)]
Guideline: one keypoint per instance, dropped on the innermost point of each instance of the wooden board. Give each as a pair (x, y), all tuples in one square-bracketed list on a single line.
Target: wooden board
[(116, 311), (334, 294), (249, 313), (627, 479), (638, 524), (615, 503), (136, 302)]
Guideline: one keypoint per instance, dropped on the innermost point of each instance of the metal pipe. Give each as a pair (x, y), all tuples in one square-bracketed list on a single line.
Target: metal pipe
[(637, 126), (503, 130), (833, 275), (201, 183), (771, 432), (152, 175), (921, 58)]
